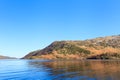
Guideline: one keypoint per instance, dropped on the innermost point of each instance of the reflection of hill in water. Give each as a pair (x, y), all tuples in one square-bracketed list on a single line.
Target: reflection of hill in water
[(100, 70)]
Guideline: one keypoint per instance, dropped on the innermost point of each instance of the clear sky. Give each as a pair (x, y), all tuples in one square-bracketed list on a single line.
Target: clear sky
[(27, 25)]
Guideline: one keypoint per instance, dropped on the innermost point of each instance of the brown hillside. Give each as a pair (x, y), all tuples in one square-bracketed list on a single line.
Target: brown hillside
[(98, 48)]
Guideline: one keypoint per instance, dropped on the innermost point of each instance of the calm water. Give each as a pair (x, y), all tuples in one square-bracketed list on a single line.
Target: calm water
[(59, 70)]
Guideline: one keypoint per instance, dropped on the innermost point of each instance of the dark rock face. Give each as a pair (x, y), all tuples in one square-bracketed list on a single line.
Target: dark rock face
[(102, 47)]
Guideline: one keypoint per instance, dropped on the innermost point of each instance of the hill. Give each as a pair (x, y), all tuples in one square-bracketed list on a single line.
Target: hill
[(6, 57), (98, 48)]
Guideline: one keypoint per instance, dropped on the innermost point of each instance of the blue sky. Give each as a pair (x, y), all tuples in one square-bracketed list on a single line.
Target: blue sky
[(27, 25)]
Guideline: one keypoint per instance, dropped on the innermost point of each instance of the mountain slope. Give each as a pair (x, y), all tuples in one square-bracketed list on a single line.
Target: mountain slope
[(98, 48)]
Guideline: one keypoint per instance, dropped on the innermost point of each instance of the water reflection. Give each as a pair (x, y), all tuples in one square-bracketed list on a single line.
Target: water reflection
[(80, 70), (59, 70)]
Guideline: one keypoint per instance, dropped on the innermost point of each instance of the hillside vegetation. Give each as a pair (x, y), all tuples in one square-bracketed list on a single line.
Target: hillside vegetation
[(98, 48)]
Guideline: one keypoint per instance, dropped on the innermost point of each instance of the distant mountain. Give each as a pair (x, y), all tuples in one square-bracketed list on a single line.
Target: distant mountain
[(98, 48), (6, 57)]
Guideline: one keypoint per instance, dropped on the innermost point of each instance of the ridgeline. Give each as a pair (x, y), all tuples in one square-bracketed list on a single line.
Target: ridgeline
[(98, 48)]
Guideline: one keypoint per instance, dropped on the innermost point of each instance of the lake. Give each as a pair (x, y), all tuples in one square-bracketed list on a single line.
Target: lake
[(59, 70)]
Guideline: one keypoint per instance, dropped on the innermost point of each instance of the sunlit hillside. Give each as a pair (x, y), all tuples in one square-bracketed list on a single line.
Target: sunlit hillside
[(98, 48)]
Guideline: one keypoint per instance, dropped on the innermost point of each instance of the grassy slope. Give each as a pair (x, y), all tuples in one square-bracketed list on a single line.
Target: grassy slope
[(99, 48)]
